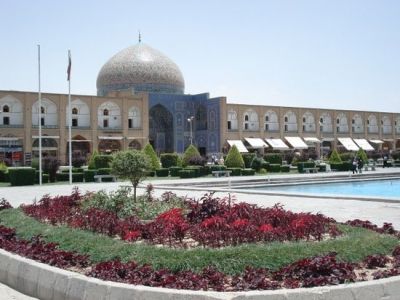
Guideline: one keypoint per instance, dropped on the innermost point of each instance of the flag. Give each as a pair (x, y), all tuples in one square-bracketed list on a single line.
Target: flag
[(69, 66)]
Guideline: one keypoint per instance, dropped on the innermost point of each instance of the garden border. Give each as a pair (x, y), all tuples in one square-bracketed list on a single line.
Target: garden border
[(46, 282)]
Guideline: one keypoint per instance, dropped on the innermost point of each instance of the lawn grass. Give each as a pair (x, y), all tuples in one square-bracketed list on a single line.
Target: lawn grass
[(353, 246)]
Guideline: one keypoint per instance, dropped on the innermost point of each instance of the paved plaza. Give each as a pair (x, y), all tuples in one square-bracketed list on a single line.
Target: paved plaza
[(337, 208)]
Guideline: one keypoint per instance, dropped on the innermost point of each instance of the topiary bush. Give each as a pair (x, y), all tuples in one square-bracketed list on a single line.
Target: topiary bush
[(190, 153), (76, 177), (169, 160), (248, 172), (163, 172), (45, 177), (217, 168), (104, 171), (174, 171), (362, 155), (285, 169), (274, 168), (302, 165), (258, 163), (151, 154), (22, 176), (187, 173), (197, 170), (88, 175), (102, 161), (235, 171), (91, 163), (234, 158), (273, 158), (346, 156), (334, 157), (248, 159)]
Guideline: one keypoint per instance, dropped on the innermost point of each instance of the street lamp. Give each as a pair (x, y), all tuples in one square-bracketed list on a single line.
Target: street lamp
[(190, 120), (321, 148)]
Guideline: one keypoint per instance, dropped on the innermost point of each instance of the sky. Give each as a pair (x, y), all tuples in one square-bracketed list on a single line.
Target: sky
[(341, 54)]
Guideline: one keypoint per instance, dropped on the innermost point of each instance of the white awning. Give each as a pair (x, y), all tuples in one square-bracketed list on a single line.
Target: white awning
[(348, 144), (363, 144), (256, 143), (239, 145), (10, 138), (388, 140), (277, 144), (111, 137), (296, 142), (45, 148), (312, 140), (136, 137), (46, 136), (376, 141)]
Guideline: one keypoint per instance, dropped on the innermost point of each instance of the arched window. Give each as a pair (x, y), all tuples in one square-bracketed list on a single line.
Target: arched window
[(105, 112), (357, 125), (109, 115), (201, 118), (386, 125), (42, 110), (212, 120), (250, 122), (308, 122), (6, 108), (232, 120), (341, 123), (74, 111), (397, 124), (325, 123), (372, 124), (271, 121), (134, 118), (290, 122)]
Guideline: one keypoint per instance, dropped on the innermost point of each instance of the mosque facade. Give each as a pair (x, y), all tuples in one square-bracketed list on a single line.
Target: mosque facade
[(141, 98)]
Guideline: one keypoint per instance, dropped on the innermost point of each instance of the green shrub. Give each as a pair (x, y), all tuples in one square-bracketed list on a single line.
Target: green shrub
[(76, 177), (74, 170), (334, 157), (174, 171), (262, 171), (197, 170), (35, 163), (191, 152), (248, 159), (151, 173), (302, 165), (285, 169), (169, 160), (248, 172), (104, 171), (234, 158), (346, 156), (321, 168), (257, 163), (396, 155), (235, 171), (274, 168), (3, 173), (151, 154), (163, 172), (89, 175), (91, 163), (45, 177), (362, 155), (344, 166), (21, 176), (187, 173), (216, 168), (273, 158), (102, 161)]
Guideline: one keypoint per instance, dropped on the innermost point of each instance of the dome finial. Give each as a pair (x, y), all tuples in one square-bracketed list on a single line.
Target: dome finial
[(140, 37)]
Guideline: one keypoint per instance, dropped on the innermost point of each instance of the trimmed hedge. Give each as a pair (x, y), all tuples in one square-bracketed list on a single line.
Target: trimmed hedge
[(273, 158), (321, 168), (151, 173), (235, 171), (74, 170), (88, 175), (302, 165), (4, 176), (174, 171), (197, 169), (102, 161), (216, 168), (187, 173), (248, 159), (76, 177), (274, 168), (163, 172), (45, 177), (104, 171), (248, 172), (22, 176), (344, 166), (169, 160), (285, 169)]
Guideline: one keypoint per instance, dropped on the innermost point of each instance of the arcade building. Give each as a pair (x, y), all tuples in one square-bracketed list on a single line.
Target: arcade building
[(141, 98)]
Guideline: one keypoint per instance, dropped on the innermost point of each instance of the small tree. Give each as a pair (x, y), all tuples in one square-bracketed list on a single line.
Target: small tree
[(335, 157), (362, 155), (234, 159), (132, 165), (151, 154), (91, 163), (189, 154)]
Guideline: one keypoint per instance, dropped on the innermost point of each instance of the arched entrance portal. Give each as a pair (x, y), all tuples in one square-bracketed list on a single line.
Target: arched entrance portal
[(109, 146), (134, 145), (49, 147), (80, 148), (161, 129)]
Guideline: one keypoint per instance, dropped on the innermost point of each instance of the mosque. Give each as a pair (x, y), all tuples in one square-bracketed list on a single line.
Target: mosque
[(141, 98)]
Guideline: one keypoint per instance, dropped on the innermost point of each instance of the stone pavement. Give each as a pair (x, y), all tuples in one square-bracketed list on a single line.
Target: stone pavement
[(7, 293)]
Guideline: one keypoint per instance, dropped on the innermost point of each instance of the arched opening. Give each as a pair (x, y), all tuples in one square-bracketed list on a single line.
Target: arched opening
[(161, 129), (134, 145), (74, 111), (49, 147), (11, 150), (6, 109), (201, 118), (109, 146), (80, 149)]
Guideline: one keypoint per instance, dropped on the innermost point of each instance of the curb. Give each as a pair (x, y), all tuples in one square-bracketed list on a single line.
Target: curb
[(46, 282)]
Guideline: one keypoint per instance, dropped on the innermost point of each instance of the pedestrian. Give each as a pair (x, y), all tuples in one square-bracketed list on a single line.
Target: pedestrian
[(385, 159), (354, 166)]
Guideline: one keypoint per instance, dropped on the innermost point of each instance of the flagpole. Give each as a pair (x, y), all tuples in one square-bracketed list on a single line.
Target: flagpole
[(40, 120), (69, 118)]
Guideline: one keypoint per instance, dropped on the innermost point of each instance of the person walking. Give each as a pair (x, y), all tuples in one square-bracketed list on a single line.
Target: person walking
[(354, 166)]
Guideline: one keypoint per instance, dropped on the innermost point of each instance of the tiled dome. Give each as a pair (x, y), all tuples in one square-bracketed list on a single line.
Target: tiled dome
[(142, 68)]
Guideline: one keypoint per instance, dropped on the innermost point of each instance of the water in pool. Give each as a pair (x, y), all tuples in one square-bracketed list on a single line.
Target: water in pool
[(376, 188)]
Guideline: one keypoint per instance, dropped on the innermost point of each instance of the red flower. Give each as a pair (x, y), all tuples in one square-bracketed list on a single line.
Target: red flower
[(132, 235), (213, 221), (265, 228), (240, 223)]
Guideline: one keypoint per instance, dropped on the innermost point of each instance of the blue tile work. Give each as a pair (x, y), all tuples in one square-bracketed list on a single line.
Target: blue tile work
[(206, 123)]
